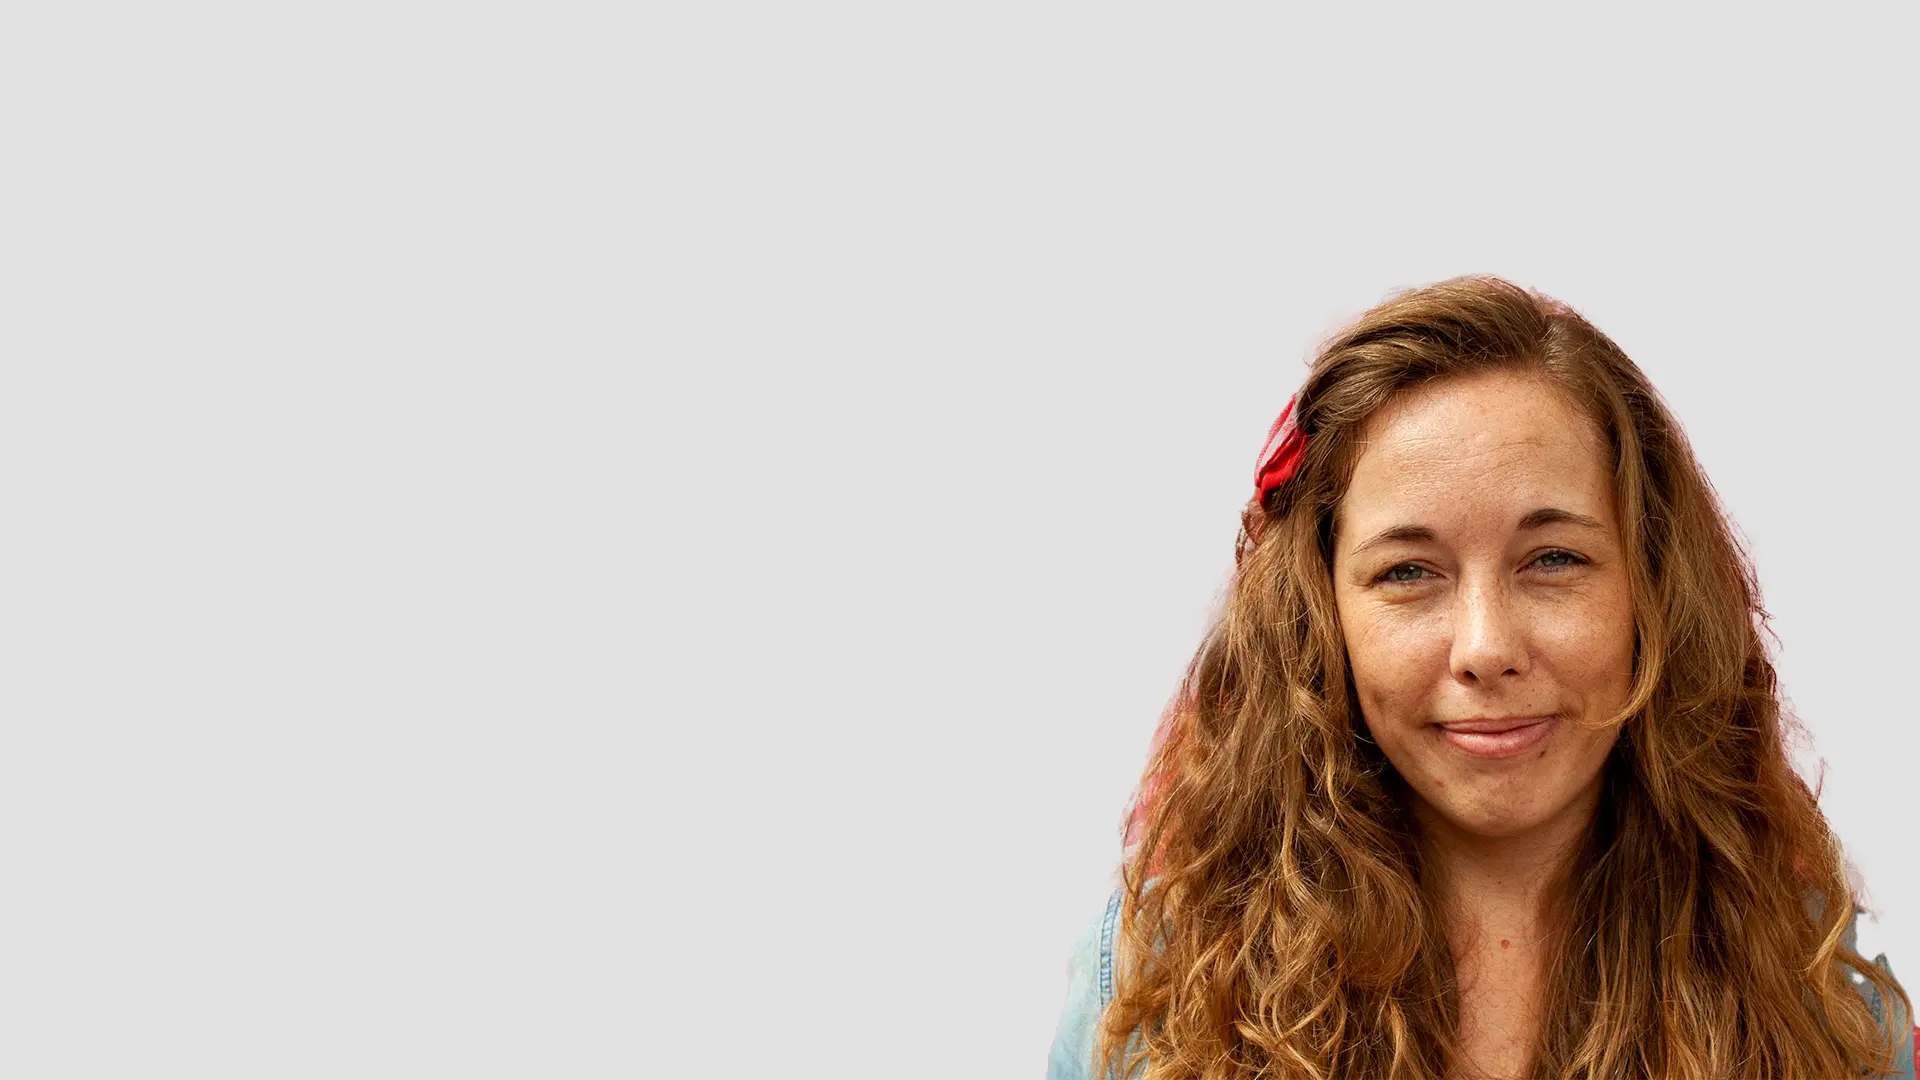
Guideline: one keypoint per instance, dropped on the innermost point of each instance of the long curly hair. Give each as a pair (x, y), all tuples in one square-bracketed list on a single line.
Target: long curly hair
[(1291, 930)]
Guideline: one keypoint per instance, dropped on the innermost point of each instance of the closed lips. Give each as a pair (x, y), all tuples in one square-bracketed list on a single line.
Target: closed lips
[(1504, 738), (1493, 727)]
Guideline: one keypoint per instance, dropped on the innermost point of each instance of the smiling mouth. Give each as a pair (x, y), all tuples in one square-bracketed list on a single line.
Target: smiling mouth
[(1498, 738)]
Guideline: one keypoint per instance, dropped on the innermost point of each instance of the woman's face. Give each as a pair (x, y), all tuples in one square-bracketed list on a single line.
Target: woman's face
[(1480, 581)]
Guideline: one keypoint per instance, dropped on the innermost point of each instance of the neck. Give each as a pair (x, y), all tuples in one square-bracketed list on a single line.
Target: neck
[(1505, 885), (1500, 897)]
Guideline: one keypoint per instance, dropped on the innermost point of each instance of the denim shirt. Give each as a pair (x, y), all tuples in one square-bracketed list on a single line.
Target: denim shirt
[(1090, 988)]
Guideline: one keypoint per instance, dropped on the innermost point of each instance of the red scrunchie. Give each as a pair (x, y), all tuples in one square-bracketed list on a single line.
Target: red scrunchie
[(1281, 457)]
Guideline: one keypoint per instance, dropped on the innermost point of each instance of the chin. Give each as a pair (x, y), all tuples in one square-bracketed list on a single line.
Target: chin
[(1495, 814), (1494, 825)]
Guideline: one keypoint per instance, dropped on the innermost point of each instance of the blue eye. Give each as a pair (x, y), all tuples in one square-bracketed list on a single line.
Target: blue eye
[(1413, 573), (1572, 560)]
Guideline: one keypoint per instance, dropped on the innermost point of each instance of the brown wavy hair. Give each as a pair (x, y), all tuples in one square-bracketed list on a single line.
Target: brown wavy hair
[(1291, 930)]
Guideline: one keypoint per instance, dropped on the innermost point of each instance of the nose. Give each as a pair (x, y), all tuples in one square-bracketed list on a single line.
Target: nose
[(1489, 637)]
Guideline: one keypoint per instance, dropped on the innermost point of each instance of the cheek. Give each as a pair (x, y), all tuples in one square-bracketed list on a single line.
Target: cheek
[(1398, 660), (1592, 642)]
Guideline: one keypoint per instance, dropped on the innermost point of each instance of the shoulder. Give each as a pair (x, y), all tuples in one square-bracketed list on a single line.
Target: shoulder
[(1089, 990), (1891, 1014)]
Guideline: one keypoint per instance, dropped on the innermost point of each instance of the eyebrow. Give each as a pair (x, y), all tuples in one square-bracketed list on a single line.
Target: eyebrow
[(1537, 519)]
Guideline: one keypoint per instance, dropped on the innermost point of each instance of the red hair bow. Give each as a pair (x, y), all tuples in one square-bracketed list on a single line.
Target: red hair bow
[(1280, 458), (1286, 448)]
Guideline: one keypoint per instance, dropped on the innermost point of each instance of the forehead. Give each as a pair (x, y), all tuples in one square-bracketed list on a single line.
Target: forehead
[(1486, 448)]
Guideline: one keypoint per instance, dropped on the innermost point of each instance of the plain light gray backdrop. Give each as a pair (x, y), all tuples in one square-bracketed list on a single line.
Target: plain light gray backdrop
[(558, 540)]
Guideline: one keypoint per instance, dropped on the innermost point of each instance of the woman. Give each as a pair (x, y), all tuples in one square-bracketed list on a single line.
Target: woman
[(1481, 772)]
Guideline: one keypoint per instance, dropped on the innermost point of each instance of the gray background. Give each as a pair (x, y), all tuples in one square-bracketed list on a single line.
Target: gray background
[(569, 540)]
